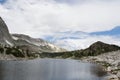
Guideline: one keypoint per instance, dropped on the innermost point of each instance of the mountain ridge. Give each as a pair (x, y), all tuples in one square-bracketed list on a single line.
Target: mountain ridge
[(37, 45)]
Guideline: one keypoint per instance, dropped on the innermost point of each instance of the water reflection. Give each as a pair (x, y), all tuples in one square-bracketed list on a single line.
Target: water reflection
[(46, 69)]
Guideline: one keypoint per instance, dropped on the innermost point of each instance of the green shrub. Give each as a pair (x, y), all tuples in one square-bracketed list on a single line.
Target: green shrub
[(1, 50), (15, 51)]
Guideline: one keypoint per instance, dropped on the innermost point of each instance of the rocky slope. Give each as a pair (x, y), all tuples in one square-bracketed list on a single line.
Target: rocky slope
[(99, 47), (35, 44), (110, 61), (5, 37)]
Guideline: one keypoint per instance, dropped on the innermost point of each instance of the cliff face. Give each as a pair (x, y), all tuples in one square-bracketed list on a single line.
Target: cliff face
[(5, 37)]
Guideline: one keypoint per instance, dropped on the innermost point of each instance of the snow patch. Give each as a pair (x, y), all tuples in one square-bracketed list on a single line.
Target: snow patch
[(8, 42), (15, 38)]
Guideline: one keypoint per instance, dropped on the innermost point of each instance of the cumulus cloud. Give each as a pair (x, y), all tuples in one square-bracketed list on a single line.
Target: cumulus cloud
[(42, 17)]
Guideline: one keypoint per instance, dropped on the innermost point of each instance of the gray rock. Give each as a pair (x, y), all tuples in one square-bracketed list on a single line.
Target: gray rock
[(118, 74)]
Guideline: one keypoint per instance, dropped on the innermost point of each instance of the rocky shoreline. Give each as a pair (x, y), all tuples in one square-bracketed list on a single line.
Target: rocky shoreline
[(110, 61)]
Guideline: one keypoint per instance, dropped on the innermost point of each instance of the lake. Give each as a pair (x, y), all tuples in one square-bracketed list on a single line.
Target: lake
[(48, 69)]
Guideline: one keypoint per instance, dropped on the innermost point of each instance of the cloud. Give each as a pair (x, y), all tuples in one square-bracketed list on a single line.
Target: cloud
[(74, 40), (42, 17), (76, 44)]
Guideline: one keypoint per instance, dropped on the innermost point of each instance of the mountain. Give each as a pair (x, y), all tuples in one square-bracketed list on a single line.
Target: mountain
[(35, 44), (100, 47), (25, 42), (74, 40), (5, 37)]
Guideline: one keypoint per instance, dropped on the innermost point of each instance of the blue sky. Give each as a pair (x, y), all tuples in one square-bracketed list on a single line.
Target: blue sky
[(113, 32), (2, 1)]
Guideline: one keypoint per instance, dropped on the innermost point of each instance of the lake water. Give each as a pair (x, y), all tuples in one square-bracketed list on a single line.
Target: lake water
[(48, 69)]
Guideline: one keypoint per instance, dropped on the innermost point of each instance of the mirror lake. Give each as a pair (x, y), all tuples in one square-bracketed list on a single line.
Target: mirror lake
[(49, 69)]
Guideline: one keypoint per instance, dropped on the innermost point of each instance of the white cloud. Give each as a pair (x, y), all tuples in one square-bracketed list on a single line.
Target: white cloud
[(76, 44), (41, 17)]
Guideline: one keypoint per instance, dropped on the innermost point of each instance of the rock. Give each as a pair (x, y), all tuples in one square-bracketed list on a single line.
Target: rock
[(118, 74), (111, 77), (118, 65), (111, 68)]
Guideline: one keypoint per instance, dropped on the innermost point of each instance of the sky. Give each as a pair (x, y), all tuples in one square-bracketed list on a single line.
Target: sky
[(2, 1), (75, 40), (39, 18)]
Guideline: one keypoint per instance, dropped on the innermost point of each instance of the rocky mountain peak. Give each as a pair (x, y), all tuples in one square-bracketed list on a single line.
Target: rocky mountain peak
[(98, 44), (100, 47)]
